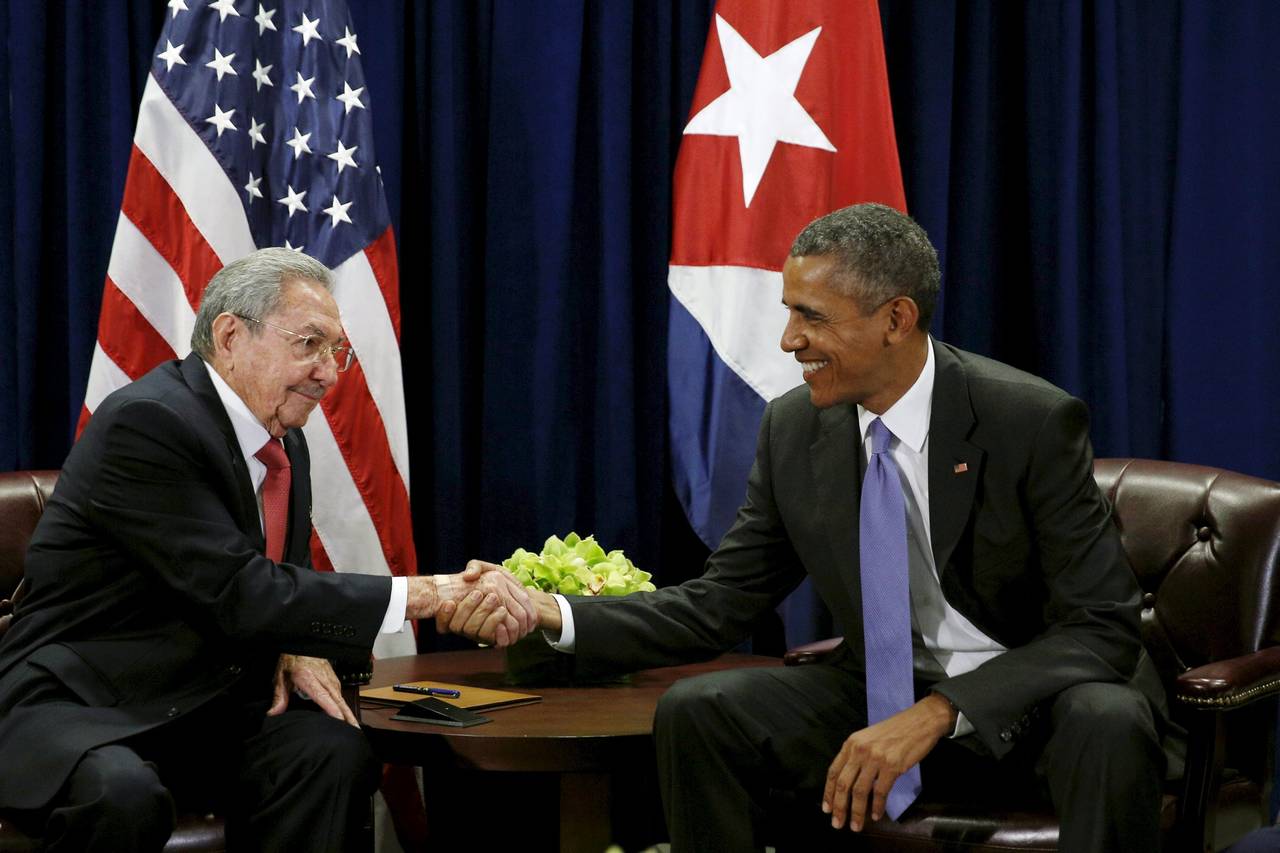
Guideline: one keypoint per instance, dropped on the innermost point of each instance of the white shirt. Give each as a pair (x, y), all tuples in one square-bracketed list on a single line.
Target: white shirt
[(951, 642), (251, 435)]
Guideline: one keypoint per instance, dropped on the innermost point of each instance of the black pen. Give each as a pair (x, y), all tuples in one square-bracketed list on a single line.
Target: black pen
[(427, 691)]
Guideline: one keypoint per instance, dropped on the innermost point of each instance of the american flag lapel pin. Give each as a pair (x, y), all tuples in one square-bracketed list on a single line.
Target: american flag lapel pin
[(960, 468)]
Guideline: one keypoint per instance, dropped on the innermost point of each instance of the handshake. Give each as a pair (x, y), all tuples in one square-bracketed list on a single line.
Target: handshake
[(484, 602)]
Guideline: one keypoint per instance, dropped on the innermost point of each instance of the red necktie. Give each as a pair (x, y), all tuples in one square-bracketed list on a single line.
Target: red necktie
[(275, 496)]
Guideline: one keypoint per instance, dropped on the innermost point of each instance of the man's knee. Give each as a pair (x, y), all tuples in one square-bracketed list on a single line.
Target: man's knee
[(1099, 711), (116, 775), (1112, 723), (333, 750), (357, 759), (113, 792), (347, 755), (700, 701)]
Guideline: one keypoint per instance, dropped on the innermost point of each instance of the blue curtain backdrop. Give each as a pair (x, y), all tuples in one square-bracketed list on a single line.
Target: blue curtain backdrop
[(1100, 179)]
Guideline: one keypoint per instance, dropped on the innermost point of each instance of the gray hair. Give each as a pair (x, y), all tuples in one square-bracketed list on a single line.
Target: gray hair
[(880, 254), (250, 287)]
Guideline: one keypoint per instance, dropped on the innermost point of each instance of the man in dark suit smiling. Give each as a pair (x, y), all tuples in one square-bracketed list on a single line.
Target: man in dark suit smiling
[(174, 642), (944, 506)]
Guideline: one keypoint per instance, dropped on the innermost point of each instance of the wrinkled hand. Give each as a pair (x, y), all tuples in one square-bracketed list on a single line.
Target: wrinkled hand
[(314, 678), (486, 603), (871, 759)]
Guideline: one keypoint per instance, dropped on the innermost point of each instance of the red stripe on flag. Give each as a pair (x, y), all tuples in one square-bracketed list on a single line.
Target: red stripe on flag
[(85, 414), (362, 439), (319, 556), (382, 259), (321, 562), (127, 337), (159, 214)]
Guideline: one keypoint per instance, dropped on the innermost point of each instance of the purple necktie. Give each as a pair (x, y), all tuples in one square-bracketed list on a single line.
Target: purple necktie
[(886, 600)]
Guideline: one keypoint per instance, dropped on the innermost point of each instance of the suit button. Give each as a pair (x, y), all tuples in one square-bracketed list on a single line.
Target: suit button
[(234, 669), (172, 712), (1006, 735)]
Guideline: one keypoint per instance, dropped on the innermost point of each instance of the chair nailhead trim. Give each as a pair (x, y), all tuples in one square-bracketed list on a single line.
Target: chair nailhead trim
[(1233, 700)]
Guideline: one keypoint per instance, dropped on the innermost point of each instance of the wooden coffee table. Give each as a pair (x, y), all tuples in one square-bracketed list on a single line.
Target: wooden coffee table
[(587, 737)]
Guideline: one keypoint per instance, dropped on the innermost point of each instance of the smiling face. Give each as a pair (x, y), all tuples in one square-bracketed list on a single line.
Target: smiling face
[(848, 356), (267, 368)]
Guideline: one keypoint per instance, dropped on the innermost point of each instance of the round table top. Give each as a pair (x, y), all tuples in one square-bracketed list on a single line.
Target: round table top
[(585, 729)]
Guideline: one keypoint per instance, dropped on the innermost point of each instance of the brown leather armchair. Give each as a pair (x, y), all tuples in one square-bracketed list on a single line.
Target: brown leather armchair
[(1205, 546), (23, 495)]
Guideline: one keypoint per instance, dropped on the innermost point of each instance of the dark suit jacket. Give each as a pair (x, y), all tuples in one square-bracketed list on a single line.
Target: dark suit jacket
[(148, 590), (1023, 539)]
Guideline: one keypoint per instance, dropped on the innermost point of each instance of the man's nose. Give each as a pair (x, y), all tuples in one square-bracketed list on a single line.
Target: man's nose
[(792, 339), (326, 370)]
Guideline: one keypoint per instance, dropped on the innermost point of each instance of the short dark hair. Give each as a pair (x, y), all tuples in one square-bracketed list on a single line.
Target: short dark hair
[(880, 254)]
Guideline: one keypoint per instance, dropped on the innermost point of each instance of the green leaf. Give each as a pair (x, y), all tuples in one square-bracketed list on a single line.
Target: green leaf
[(577, 566)]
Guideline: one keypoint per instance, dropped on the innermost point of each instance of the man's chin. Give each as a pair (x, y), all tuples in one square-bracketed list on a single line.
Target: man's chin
[(296, 416), (819, 399)]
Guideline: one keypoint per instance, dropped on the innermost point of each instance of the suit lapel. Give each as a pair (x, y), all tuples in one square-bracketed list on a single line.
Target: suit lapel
[(835, 457), (197, 378), (954, 463), (299, 498)]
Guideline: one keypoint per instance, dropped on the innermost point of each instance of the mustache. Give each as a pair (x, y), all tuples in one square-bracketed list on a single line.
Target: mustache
[(314, 390)]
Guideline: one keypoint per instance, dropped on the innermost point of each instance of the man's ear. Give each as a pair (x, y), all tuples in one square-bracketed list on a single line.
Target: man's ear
[(904, 314), (227, 329)]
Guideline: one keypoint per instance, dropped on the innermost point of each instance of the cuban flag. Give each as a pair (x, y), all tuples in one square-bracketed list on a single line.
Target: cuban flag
[(790, 120)]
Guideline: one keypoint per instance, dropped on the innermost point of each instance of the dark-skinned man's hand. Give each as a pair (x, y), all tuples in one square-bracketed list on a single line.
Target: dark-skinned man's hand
[(871, 759)]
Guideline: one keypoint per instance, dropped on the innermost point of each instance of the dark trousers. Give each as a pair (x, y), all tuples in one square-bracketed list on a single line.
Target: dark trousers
[(726, 740), (297, 781)]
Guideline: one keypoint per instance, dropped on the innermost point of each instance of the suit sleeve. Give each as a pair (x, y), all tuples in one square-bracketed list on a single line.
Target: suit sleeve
[(160, 497), (751, 571), (1092, 610)]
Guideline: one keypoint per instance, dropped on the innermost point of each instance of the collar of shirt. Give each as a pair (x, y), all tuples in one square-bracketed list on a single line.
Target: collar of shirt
[(908, 419), (250, 433)]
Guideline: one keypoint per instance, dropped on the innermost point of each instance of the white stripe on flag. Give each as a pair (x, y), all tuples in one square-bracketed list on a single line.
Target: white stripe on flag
[(145, 277), (338, 512), (368, 325), (104, 377), (195, 175), (740, 309)]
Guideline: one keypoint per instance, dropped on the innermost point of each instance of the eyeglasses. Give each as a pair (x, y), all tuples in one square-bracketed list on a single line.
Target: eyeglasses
[(313, 347)]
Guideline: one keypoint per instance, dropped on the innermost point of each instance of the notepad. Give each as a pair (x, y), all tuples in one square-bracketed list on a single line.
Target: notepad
[(471, 698)]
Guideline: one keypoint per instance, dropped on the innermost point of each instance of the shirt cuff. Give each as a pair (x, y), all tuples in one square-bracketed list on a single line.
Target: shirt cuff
[(963, 726), (393, 621), (567, 637)]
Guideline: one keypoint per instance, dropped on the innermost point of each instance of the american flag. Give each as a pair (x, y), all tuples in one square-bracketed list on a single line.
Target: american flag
[(254, 131)]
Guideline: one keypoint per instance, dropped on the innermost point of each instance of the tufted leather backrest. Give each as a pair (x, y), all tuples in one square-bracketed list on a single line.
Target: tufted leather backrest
[(1205, 546), (23, 495)]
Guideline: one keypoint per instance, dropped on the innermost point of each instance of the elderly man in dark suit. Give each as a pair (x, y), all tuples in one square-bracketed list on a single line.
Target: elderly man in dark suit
[(944, 506), (174, 642)]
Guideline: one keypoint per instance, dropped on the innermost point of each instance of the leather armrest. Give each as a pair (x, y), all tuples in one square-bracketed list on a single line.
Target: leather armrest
[(811, 652), (1230, 683)]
